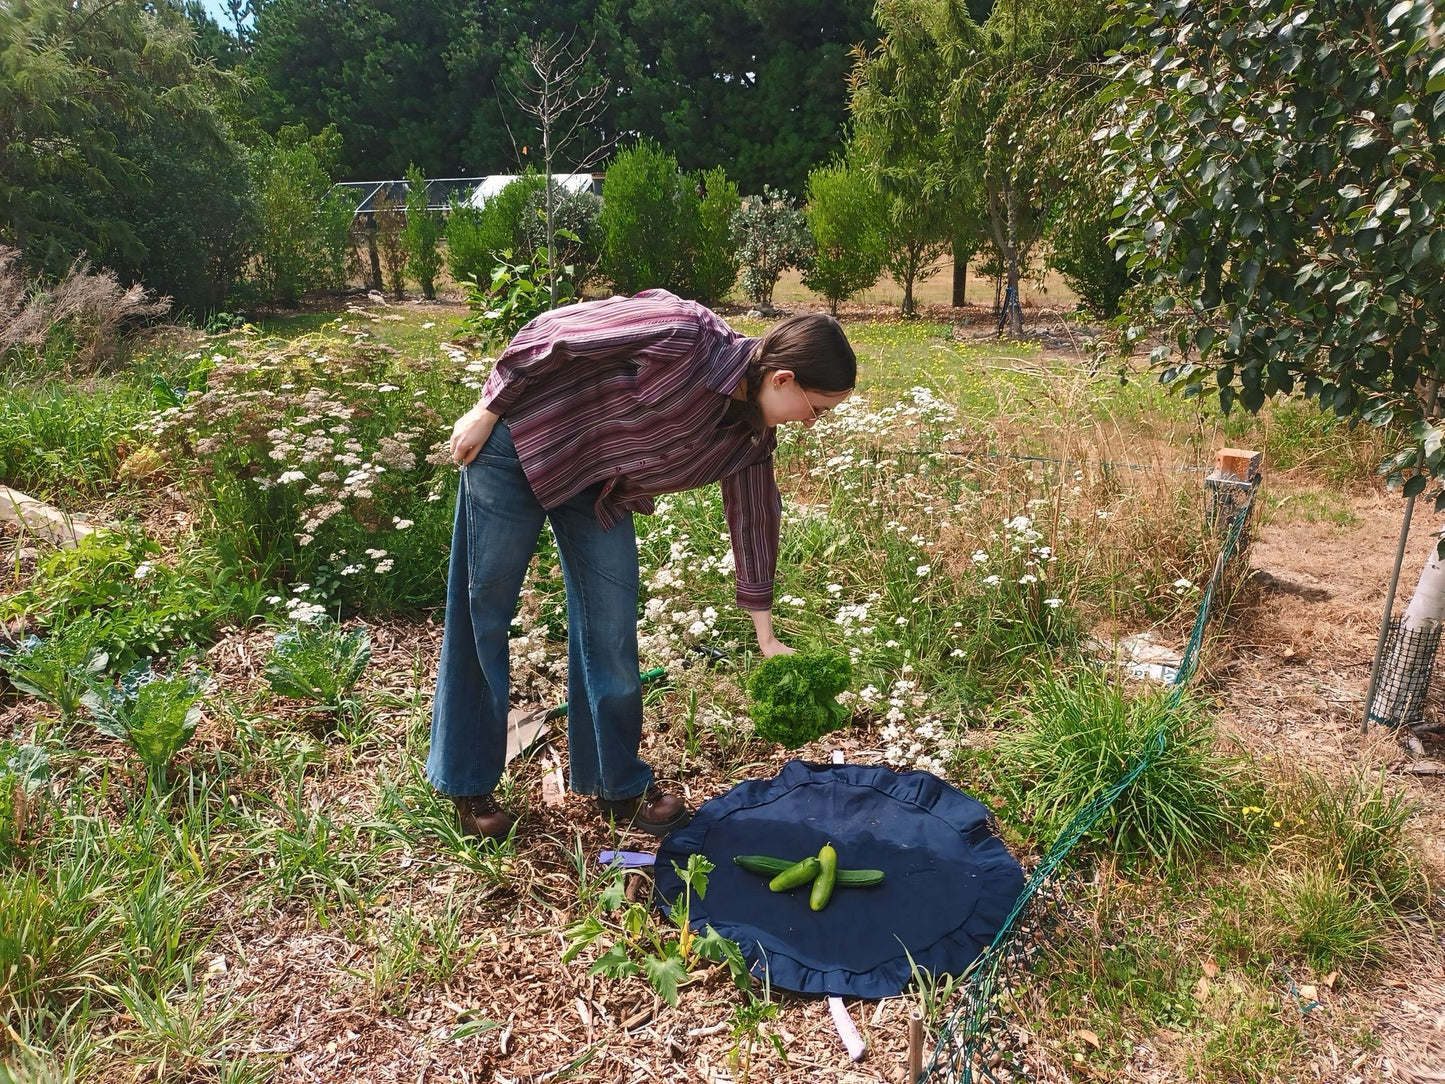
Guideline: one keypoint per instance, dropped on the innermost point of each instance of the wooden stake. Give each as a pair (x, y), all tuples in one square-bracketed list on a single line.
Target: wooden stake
[(915, 1047)]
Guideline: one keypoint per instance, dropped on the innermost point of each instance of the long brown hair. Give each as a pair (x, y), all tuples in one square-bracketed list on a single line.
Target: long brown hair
[(813, 347)]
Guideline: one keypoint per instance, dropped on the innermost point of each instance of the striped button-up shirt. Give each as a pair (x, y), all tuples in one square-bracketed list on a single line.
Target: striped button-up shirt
[(634, 393)]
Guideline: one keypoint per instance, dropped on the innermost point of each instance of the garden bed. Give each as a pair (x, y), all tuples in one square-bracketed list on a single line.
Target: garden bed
[(293, 903)]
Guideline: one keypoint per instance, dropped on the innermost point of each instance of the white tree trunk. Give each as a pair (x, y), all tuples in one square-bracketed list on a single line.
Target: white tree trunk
[(1427, 609)]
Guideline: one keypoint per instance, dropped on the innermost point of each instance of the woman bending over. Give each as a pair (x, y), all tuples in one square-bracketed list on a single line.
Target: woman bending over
[(591, 412)]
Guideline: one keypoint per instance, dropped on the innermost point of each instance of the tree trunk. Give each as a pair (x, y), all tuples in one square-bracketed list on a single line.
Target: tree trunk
[(960, 273), (1014, 314), (375, 257), (551, 237)]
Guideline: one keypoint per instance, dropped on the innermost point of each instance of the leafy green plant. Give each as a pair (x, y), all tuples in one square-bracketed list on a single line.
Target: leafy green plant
[(665, 954), (794, 697), (56, 669), (1081, 733), (576, 241), (156, 715), (517, 293), (746, 1029), (24, 770), (318, 661), (771, 236), (422, 234), (140, 604)]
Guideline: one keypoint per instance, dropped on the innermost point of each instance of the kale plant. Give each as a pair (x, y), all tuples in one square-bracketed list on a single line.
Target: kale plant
[(156, 715), (794, 697), (56, 669), (319, 661)]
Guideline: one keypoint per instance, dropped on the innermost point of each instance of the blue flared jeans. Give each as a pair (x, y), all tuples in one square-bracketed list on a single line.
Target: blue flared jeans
[(498, 521)]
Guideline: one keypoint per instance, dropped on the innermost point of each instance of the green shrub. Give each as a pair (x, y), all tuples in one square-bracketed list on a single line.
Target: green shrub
[(648, 221), (713, 265), (304, 227), (477, 235), (1080, 250), (389, 216), (793, 698), (845, 214), (771, 236), (1081, 732), (422, 235), (578, 240)]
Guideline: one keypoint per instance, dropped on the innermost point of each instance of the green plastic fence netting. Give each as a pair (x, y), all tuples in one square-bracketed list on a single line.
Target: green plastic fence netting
[(973, 1043)]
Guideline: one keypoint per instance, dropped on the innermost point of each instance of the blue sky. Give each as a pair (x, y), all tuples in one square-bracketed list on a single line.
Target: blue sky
[(218, 11)]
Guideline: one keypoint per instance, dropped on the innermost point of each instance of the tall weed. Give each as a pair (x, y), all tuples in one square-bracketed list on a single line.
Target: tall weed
[(79, 320), (1080, 732)]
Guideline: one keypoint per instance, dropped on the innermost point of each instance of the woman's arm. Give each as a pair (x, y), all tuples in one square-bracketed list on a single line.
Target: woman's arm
[(754, 512)]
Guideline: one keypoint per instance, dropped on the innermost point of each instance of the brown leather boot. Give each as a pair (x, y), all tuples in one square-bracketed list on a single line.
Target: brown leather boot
[(481, 816), (655, 811)]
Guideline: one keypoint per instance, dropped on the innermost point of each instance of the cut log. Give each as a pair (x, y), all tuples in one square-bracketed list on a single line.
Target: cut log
[(35, 517)]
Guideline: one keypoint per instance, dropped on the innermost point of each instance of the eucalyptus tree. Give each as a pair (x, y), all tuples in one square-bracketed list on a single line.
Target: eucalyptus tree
[(1284, 174), (1283, 170)]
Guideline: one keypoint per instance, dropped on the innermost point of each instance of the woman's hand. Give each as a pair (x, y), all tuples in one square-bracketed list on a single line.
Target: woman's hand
[(773, 647), (768, 642), (470, 432)]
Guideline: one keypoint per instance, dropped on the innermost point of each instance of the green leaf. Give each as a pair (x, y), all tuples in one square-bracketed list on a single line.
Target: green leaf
[(711, 945), (1415, 485), (665, 973), (614, 964)]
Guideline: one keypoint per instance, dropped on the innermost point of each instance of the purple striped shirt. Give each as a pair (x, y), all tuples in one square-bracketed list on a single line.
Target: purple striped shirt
[(632, 392)]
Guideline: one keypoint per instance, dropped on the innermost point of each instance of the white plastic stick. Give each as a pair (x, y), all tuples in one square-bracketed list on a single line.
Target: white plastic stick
[(846, 1029)]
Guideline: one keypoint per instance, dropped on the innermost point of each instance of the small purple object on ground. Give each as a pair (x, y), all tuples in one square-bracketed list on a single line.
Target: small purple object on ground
[(626, 859)]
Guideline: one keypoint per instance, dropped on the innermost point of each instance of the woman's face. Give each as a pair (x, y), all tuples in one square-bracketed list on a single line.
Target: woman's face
[(782, 399)]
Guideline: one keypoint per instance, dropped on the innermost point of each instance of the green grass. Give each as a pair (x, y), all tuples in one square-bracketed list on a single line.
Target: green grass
[(1078, 733)]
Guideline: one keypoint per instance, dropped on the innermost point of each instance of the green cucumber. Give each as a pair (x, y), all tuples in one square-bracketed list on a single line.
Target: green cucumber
[(827, 874), (796, 875), (768, 866)]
